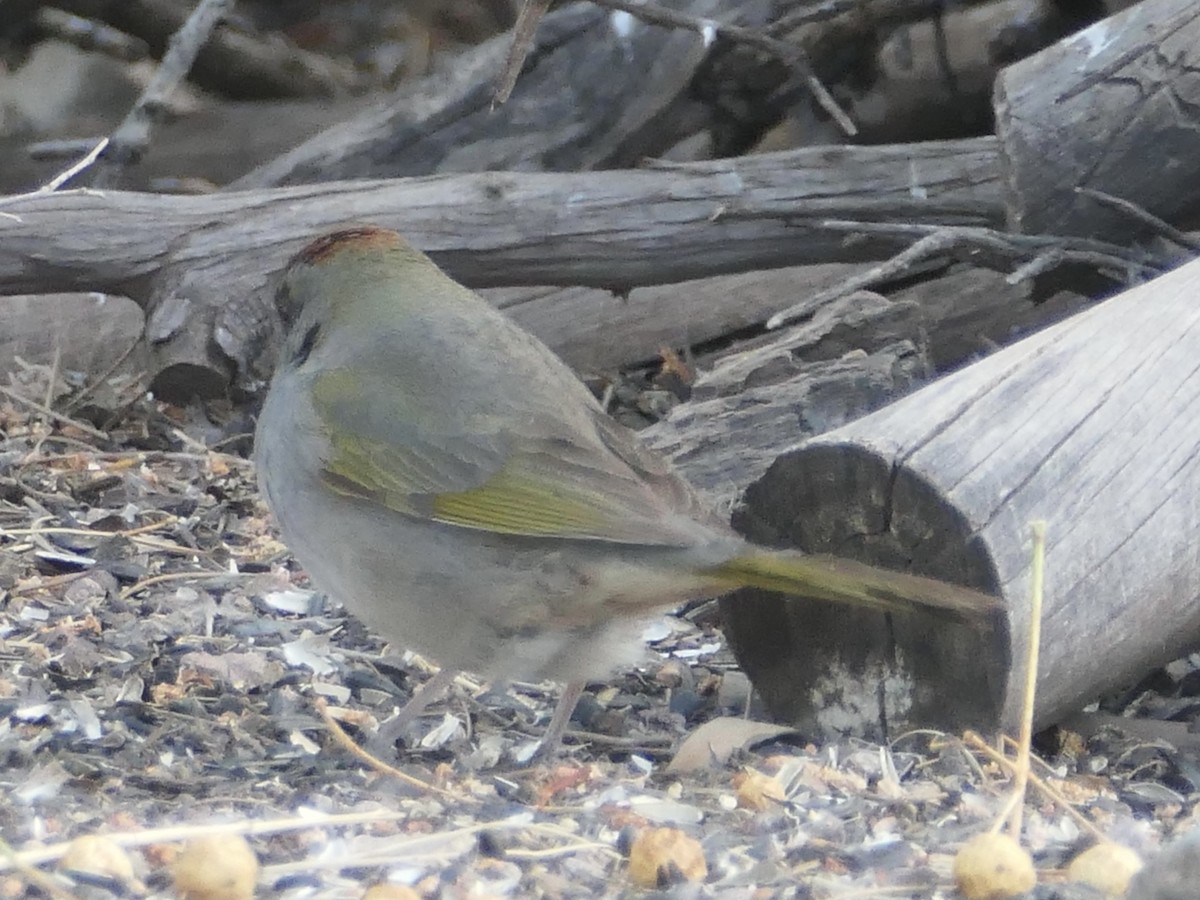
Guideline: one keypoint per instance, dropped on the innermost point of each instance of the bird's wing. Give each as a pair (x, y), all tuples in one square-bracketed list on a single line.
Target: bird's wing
[(536, 476)]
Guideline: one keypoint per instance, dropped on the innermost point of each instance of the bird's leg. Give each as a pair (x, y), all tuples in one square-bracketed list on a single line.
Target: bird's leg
[(391, 730), (562, 716)]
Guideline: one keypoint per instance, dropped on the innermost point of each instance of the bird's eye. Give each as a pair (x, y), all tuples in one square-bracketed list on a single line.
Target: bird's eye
[(306, 345)]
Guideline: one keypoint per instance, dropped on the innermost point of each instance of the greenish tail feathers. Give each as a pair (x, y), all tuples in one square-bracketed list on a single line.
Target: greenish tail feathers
[(855, 584)]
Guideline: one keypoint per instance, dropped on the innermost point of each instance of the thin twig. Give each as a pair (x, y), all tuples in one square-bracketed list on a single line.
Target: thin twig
[(52, 376), (57, 181), (89, 35), (1003, 241), (70, 171), (172, 833), (343, 739), (930, 245), (131, 457), (786, 52), (132, 136), (1008, 810), (88, 389), (152, 543), (809, 15), (50, 413), (933, 240), (128, 592), (35, 877), (523, 32), (875, 14), (1037, 578), (1043, 262), (980, 745), (1144, 216), (61, 148)]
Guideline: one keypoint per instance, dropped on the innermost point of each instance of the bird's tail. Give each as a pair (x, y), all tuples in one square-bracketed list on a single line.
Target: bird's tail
[(855, 584)]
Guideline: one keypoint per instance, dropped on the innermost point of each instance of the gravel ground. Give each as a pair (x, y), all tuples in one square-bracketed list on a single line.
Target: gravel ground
[(166, 672)]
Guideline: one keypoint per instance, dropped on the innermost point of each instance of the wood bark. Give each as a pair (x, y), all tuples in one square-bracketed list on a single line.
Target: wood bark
[(1086, 425), (753, 405), (851, 357), (207, 263), (597, 332), (1113, 108)]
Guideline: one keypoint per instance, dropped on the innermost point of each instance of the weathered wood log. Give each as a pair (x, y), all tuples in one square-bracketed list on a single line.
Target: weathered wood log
[(407, 132), (852, 356), (519, 228), (734, 426), (836, 373), (1111, 108), (597, 331), (219, 252), (1087, 425)]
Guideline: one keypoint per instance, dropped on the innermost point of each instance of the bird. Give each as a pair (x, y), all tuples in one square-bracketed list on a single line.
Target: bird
[(442, 473)]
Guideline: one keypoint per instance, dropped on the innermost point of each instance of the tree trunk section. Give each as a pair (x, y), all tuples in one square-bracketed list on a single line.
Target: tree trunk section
[(1088, 425)]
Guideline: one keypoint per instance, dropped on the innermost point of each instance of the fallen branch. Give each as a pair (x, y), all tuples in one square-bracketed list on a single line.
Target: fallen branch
[(981, 246), (235, 64), (130, 139)]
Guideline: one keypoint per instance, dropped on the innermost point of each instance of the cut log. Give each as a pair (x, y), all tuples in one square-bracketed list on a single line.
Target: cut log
[(1088, 425), (1112, 108)]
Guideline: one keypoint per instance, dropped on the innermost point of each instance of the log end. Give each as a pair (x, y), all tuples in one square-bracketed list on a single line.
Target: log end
[(829, 670)]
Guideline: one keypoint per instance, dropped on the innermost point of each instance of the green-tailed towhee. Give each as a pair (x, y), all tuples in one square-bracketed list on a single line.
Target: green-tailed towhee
[(447, 477)]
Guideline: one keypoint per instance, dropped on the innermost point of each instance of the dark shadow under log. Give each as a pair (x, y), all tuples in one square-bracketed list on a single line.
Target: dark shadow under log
[(1088, 425)]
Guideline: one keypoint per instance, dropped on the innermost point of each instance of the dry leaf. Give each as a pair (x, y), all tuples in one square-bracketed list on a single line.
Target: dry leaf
[(756, 790), (713, 743)]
